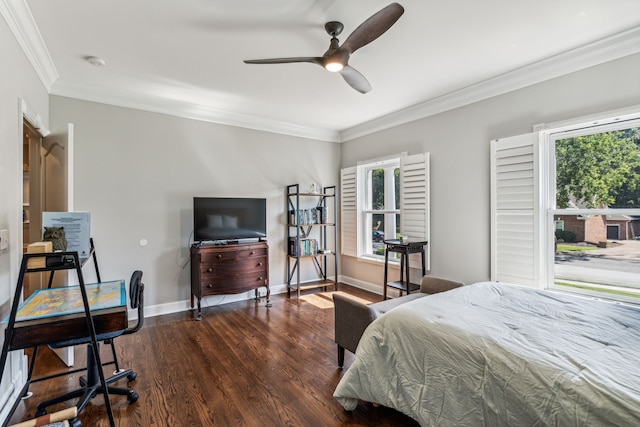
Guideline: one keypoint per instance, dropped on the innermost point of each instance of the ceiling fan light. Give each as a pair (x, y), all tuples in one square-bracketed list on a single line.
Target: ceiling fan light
[(334, 67)]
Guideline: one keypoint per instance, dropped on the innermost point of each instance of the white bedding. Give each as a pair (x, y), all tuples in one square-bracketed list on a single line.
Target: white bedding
[(500, 355)]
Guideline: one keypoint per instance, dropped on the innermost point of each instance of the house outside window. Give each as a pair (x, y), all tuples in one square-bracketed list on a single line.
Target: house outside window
[(577, 184)]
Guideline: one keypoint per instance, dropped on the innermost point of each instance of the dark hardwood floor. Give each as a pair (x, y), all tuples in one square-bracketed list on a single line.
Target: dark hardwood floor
[(242, 365)]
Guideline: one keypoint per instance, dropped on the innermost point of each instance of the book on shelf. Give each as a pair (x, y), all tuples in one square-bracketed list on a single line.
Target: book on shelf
[(305, 248), (317, 215)]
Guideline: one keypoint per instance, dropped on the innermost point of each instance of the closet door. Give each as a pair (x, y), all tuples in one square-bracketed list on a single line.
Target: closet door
[(57, 196), (57, 171)]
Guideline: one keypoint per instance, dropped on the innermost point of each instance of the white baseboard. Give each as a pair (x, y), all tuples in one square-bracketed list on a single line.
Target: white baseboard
[(371, 287), (210, 301), (9, 396), (213, 300)]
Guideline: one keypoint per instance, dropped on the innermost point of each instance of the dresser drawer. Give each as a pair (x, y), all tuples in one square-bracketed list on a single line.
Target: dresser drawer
[(233, 284), (252, 252), (233, 268), (229, 254), (211, 257)]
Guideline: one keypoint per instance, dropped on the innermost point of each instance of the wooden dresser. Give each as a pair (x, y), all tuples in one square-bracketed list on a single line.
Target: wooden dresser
[(228, 269)]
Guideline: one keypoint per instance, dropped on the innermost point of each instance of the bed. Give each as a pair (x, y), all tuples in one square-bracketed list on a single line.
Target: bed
[(501, 355)]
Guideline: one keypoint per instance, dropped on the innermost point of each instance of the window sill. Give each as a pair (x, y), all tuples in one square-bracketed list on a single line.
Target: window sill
[(380, 262), (594, 295)]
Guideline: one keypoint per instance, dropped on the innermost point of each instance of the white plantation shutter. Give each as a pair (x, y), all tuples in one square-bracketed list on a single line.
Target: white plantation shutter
[(414, 202), (349, 211), (515, 217)]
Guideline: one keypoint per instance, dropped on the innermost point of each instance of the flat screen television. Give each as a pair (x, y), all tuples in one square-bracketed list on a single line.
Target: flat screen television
[(222, 219)]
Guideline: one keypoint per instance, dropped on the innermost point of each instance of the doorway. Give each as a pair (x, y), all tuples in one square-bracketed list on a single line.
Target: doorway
[(47, 171), (47, 184), (31, 198)]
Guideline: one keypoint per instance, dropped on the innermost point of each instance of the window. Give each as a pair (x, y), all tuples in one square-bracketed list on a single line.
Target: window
[(383, 199), (381, 210), (594, 188), (566, 208)]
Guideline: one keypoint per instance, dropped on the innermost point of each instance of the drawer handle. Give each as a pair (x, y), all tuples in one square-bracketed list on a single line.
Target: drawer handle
[(260, 278), (260, 264), (252, 253), (219, 256), (209, 270), (210, 285)]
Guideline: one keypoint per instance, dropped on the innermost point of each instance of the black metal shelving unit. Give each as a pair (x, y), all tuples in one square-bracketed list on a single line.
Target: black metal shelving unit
[(308, 232)]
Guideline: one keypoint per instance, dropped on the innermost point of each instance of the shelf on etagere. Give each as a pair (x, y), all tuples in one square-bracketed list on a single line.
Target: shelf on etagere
[(310, 194), (314, 224), (312, 255), (313, 285)]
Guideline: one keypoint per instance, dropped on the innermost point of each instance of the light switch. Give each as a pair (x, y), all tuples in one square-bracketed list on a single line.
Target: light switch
[(4, 240)]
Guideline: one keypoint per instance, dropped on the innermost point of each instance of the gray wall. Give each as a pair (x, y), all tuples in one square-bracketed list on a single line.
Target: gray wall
[(458, 141), (17, 81), (137, 173)]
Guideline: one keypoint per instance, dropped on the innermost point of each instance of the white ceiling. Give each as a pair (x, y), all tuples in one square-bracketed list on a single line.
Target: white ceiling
[(185, 57)]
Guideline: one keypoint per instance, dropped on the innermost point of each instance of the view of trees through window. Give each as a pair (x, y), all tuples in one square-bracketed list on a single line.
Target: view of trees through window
[(600, 170), (598, 251), (377, 184), (381, 219)]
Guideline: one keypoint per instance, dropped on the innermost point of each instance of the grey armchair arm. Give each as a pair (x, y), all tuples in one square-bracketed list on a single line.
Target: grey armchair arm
[(433, 285), (352, 317)]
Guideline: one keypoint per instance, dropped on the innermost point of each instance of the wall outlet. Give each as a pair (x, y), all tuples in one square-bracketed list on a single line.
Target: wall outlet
[(4, 240)]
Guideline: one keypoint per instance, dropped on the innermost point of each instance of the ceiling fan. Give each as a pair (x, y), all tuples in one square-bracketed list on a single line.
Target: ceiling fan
[(336, 58)]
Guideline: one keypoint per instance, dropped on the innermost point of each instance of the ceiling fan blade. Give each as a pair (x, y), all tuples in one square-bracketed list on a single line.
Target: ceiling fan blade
[(355, 79), (311, 59), (373, 27)]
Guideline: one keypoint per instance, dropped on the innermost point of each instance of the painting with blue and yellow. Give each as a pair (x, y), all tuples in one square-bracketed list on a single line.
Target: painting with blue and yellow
[(68, 300)]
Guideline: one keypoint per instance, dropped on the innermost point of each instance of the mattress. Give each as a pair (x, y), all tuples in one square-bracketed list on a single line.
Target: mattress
[(501, 355)]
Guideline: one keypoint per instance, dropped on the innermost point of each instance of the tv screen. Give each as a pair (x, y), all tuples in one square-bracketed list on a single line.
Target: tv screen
[(221, 219)]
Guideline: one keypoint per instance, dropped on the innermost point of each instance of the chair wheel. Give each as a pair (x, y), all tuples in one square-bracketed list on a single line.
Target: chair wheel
[(132, 396), (132, 376)]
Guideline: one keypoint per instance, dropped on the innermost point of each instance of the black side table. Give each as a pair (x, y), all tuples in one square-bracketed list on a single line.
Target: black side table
[(404, 248)]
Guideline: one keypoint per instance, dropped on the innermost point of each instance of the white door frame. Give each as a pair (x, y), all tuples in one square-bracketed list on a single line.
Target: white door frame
[(26, 114)]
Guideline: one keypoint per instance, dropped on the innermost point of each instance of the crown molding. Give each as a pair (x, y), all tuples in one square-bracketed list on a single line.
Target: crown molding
[(604, 50), (23, 26), (20, 20), (188, 110)]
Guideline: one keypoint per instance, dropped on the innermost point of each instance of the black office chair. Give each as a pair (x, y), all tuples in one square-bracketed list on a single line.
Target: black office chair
[(136, 295), (90, 383)]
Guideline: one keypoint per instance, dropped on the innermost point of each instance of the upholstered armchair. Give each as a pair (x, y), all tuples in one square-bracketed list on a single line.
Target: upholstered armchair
[(352, 315)]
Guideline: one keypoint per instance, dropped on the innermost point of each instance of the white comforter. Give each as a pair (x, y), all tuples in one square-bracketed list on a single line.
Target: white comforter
[(500, 355)]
